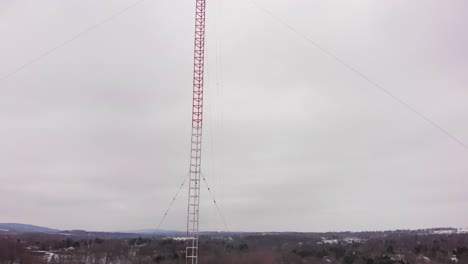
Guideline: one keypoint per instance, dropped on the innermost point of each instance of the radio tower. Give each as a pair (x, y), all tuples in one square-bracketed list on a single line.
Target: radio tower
[(196, 142)]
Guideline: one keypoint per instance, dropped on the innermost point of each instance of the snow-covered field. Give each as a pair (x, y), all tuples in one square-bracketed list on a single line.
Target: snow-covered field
[(450, 231), (348, 240)]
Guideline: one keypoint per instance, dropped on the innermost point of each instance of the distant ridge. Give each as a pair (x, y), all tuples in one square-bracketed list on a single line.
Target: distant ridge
[(6, 228), (155, 232), (24, 228)]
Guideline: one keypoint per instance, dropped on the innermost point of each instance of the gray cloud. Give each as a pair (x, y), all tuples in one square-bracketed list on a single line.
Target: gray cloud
[(96, 135)]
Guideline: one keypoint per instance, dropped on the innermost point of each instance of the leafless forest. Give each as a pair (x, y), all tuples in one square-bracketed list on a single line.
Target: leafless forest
[(415, 247)]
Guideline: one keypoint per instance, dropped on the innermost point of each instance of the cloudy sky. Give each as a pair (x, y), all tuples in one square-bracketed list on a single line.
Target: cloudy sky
[(95, 135)]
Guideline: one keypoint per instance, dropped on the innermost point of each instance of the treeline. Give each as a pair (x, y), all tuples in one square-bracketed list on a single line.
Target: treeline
[(392, 248)]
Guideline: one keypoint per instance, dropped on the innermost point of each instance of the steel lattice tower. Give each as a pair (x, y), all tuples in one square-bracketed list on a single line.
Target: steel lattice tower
[(196, 141)]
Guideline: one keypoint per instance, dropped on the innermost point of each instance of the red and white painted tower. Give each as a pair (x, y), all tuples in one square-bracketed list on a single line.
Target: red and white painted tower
[(197, 125)]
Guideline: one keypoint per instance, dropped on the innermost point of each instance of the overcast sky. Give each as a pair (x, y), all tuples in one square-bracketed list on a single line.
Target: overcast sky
[(96, 134)]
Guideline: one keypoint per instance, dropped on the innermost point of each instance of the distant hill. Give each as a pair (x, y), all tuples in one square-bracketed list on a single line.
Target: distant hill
[(158, 232), (23, 228)]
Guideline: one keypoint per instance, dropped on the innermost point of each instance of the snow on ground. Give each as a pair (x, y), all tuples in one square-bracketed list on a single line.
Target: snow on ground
[(347, 240), (451, 231), (180, 238), (445, 232)]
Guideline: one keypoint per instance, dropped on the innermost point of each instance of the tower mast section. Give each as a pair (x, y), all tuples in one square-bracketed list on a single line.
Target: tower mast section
[(196, 138)]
